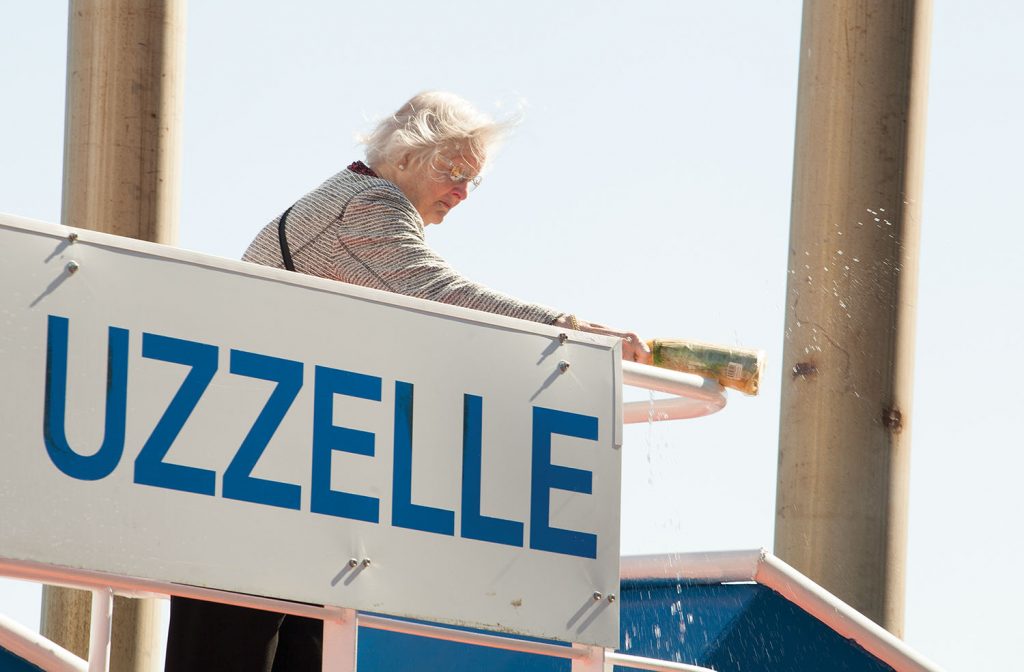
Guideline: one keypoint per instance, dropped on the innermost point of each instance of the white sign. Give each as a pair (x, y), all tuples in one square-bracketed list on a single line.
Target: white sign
[(172, 416)]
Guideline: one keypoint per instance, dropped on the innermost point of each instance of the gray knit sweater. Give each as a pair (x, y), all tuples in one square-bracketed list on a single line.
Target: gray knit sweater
[(363, 230)]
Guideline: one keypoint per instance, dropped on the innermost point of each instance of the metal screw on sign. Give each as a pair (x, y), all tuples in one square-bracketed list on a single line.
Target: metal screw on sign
[(611, 598), (352, 562), (562, 338), (72, 267), (366, 562), (598, 596), (563, 366), (72, 237)]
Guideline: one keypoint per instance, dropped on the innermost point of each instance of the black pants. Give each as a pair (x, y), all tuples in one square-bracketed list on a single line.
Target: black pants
[(225, 638)]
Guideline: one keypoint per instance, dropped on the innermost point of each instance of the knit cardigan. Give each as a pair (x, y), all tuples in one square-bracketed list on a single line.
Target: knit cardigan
[(362, 229)]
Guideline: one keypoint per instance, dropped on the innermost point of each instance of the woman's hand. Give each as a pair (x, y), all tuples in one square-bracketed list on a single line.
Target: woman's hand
[(633, 347)]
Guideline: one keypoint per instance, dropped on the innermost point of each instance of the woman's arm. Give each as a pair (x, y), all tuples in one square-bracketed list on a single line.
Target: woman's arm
[(633, 347), (380, 244)]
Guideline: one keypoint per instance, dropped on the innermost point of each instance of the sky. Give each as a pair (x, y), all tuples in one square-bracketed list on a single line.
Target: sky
[(647, 186)]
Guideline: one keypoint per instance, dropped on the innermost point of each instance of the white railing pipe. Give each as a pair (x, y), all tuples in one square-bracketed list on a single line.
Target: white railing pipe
[(651, 664), (29, 645), (694, 396), (341, 639), (99, 629), (839, 616), (591, 660), (760, 566), (752, 565)]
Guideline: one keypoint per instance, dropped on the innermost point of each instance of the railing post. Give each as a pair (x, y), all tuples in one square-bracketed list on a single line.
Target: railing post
[(592, 662), (99, 629), (340, 640)]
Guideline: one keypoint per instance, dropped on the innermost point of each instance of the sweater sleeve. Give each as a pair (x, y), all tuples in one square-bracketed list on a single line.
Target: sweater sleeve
[(381, 244)]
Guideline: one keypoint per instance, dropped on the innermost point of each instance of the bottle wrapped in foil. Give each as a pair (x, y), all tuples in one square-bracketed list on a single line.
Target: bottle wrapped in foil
[(736, 368)]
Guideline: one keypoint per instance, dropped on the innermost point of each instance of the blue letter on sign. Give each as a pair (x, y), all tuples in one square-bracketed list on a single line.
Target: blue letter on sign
[(403, 512), (328, 437), (237, 482), (100, 464), (546, 476), (150, 469), (475, 525)]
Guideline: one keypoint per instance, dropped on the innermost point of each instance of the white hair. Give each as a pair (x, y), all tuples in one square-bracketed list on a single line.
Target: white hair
[(431, 122)]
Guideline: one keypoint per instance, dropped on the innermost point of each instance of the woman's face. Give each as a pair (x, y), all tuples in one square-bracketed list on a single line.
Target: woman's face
[(439, 185)]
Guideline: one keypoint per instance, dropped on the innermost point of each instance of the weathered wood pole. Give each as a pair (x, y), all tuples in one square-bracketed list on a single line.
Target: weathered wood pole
[(848, 359), (122, 157)]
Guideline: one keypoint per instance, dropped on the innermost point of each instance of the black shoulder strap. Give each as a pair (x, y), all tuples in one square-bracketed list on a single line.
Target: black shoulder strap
[(281, 236)]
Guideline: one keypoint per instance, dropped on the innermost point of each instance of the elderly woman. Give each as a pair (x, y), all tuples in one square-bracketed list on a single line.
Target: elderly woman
[(365, 226)]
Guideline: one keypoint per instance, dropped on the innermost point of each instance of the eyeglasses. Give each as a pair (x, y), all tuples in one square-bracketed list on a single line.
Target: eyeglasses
[(454, 172)]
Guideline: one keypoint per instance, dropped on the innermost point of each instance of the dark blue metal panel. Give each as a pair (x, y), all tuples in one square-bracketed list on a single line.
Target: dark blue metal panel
[(12, 663), (733, 627), (677, 621), (381, 651), (775, 634)]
